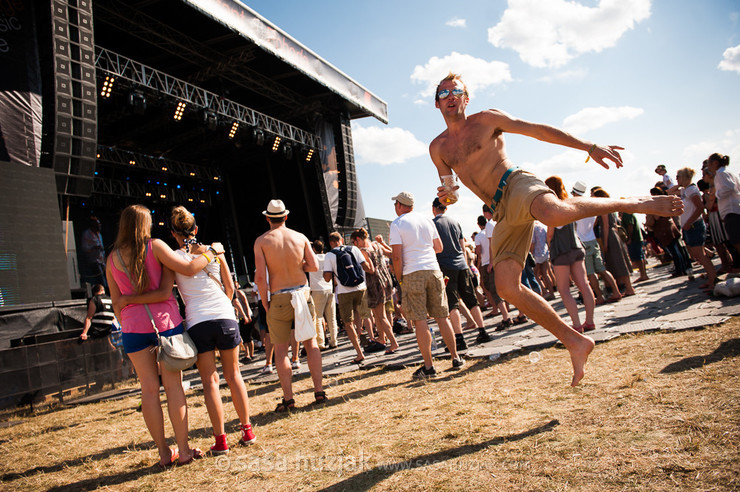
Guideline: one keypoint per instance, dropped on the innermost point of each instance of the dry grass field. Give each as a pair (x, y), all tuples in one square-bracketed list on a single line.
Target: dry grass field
[(657, 411)]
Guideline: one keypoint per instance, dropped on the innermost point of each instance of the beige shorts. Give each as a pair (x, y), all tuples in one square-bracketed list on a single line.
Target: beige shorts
[(350, 301), (281, 314), (424, 294), (512, 235)]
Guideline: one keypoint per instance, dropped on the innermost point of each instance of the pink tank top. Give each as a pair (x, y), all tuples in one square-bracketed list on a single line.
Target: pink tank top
[(134, 318)]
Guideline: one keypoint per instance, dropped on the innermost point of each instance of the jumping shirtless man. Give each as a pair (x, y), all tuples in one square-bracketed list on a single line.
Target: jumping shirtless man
[(286, 256), (473, 146)]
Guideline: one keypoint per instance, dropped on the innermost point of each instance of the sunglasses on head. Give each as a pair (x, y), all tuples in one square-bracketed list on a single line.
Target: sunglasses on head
[(445, 93)]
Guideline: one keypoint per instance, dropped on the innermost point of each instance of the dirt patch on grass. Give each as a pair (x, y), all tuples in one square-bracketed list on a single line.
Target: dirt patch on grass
[(658, 411)]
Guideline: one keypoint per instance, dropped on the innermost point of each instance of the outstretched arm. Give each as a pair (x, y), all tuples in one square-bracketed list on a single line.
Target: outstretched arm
[(550, 134), (168, 258)]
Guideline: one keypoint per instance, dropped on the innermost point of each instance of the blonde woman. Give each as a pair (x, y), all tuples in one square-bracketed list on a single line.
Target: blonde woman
[(139, 265)]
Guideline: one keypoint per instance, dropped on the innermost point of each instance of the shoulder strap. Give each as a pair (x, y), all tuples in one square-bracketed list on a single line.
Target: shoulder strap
[(128, 275)]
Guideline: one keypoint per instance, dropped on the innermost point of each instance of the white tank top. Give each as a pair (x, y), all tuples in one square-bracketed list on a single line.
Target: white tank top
[(204, 300)]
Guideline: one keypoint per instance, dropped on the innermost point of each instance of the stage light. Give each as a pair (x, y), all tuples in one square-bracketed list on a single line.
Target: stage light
[(180, 110), (148, 194), (132, 162), (137, 100), (216, 178), (202, 201), (211, 120), (259, 137), (192, 174), (234, 128), (288, 151), (276, 144), (164, 168), (190, 199), (309, 155), (107, 86), (162, 196), (160, 224)]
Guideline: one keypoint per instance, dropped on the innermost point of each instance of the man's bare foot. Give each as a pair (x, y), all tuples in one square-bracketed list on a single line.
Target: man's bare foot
[(579, 352), (664, 205)]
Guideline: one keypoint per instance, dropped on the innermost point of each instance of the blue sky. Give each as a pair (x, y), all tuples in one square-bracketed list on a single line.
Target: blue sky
[(660, 78)]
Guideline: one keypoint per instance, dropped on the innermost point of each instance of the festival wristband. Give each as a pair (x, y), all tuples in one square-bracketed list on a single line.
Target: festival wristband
[(589, 152), (206, 257)]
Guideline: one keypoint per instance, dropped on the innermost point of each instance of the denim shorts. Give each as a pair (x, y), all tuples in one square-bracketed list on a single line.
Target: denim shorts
[(221, 333), (696, 234), (135, 342)]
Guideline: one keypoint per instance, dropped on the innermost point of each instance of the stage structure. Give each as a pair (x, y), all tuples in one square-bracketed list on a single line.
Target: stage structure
[(202, 103)]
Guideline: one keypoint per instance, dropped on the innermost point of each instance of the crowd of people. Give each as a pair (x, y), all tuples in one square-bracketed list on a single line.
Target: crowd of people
[(535, 240)]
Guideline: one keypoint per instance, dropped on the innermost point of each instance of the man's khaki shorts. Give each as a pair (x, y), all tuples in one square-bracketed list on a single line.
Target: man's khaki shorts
[(512, 235), (424, 294), (350, 301), (281, 314)]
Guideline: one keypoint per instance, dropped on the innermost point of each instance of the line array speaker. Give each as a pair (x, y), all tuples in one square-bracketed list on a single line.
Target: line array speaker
[(347, 209), (75, 96)]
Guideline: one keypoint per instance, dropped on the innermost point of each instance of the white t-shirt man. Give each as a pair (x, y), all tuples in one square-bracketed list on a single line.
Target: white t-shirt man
[(585, 229), (316, 279), (490, 225), (485, 247), (330, 265), (416, 233)]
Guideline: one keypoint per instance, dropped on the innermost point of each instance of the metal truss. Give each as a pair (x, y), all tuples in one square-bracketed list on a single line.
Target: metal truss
[(137, 73), (157, 164), (149, 192)]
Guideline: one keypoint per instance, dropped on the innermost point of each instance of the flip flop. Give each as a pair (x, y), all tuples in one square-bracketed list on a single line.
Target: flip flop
[(389, 351), (357, 360), (173, 460)]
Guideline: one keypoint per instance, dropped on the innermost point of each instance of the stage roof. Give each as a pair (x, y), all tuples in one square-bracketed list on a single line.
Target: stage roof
[(229, 49)]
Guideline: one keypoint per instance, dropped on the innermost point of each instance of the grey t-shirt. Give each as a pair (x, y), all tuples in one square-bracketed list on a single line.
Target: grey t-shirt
[(450, 232)]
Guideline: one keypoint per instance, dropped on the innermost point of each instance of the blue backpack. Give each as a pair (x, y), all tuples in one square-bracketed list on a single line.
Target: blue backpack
[(349, 271)]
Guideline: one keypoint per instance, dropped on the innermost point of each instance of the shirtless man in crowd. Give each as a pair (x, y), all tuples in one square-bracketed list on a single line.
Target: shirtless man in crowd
[(473, 146), (286, 256)]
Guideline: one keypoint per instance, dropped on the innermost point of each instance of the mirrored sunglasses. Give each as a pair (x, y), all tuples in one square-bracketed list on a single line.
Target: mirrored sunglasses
[(445, 93)]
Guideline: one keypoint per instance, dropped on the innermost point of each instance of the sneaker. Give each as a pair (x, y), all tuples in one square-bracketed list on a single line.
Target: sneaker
[(423, 373), (460, 343), (248, 436), (267, 370), (458, 363), (482, 337), (221, 447), (295, 365)]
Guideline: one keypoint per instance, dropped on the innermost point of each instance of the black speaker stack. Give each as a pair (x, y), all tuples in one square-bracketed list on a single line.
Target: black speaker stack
[(75, 96)]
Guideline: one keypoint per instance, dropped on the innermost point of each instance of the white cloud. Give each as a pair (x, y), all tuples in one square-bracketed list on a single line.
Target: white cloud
[(455, 22), (731, 60), (592, 118), (476, 72), (728, 143), (384, 146), (550, 34)]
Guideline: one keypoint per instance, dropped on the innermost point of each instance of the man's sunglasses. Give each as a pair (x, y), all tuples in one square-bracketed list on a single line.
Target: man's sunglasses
[(445, 93)]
